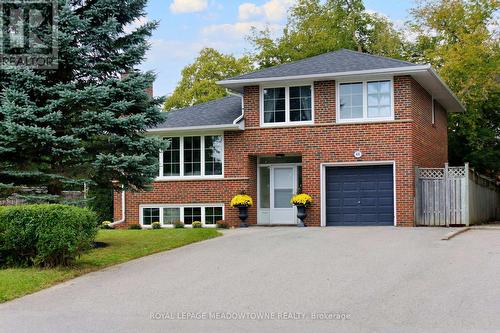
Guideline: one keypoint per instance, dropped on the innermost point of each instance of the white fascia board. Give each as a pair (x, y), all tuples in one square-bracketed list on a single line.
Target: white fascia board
[(225, 127), (436, 76), (450, 99), (395, 70)]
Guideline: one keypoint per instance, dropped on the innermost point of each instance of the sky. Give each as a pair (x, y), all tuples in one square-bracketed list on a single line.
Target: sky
[(186, 26)]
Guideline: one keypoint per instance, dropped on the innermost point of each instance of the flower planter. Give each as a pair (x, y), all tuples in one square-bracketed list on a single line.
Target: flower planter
[(301, 214), (243, 216)]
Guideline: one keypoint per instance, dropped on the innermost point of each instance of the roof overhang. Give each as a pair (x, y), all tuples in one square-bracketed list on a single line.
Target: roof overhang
[(197, 129), (423, 74)]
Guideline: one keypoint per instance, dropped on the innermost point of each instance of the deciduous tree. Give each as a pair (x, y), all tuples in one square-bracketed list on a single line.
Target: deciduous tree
[(198, 80)]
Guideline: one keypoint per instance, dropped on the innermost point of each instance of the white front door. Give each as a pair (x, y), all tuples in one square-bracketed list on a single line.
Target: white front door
[(277, 186), (282, 190)]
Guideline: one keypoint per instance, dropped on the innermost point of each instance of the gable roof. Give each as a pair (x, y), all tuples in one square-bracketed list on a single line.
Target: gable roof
[(219, 113), (343, 65), (332, 62)]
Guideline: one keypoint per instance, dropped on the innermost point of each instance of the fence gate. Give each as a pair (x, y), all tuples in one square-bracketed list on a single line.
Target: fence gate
[(454, 195)]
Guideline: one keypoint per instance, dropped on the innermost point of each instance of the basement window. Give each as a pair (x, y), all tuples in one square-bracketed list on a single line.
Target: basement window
[(167, 214)]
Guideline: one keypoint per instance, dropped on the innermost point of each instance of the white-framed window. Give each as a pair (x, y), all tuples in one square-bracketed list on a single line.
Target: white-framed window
[(287, 105), (150, 215), (171, 215), (167, 214), (192, 156), (369, 100)]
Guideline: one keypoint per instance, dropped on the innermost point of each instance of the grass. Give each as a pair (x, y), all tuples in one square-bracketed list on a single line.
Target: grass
[(121, 246)]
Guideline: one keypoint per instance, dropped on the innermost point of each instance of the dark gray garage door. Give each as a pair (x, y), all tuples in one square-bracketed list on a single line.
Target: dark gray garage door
[(361, 195)]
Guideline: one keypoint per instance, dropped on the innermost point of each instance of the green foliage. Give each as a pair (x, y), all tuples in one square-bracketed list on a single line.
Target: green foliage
[(461, 39), (178, 224), (222, 224), (156, 225), (316, 27), (135, 226), (198, 81), (45, 235), (197, 224), (100, 200), (106, 225), (122, 245), (82, 121)]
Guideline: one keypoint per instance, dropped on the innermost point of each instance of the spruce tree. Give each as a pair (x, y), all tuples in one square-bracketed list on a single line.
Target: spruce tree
[(82, 121)]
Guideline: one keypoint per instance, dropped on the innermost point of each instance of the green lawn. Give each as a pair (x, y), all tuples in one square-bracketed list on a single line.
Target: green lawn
[(122, 245)]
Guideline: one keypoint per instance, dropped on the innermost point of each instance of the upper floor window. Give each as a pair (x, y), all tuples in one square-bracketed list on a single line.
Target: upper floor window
[(281, 105), (367, 100), (192, 156)]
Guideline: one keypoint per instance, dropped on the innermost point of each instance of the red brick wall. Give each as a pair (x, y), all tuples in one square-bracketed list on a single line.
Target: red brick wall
[(324, 102), (430, 141), (402, 141)]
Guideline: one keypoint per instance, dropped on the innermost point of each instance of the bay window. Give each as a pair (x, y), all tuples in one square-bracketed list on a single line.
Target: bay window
[(281, 105), (365, 100), (192, 156)]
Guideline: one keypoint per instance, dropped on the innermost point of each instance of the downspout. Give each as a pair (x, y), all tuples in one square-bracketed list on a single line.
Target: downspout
[(123, 211), (237, 120)]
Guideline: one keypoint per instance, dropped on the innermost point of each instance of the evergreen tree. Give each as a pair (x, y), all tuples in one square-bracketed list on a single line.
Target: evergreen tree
[(82, 121)]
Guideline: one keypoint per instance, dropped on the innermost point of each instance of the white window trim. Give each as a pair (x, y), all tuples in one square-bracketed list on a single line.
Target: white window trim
[(181, 207), (181, 157), (287, 121), (365, 101)]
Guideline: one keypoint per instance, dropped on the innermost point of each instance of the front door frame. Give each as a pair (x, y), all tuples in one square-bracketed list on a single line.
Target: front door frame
[(271, 196)]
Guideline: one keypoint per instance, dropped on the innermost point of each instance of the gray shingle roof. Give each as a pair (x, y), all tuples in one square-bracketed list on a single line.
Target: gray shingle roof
[(332, 62), (222, 111)]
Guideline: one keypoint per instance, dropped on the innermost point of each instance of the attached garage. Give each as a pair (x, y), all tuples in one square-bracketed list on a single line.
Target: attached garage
[(358, 195)]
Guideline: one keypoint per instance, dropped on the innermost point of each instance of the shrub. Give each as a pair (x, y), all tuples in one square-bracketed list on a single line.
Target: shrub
[(156, 225), (106, 225), (178, 224), (100, 200), (197, 224), (135, 226), (45, 235), (222, 224)]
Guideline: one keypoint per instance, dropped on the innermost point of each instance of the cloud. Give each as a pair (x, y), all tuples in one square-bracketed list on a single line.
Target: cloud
[(238, 29), (188, 6), (273, 10)]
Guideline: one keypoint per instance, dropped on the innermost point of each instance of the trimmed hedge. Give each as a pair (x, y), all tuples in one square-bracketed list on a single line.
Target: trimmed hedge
[(45, 235)]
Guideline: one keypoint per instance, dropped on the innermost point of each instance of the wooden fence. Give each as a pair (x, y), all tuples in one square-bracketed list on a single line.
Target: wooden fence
[(16, 199), (454, 196)]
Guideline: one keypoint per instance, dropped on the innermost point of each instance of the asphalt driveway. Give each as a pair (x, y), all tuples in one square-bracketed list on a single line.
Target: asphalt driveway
[(314, 279)]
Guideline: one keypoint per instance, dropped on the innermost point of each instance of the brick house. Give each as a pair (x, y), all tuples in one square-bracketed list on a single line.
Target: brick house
[(347, 128)]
